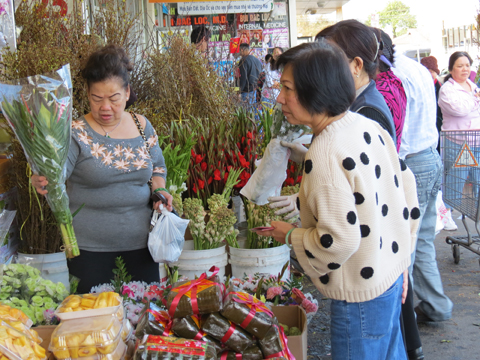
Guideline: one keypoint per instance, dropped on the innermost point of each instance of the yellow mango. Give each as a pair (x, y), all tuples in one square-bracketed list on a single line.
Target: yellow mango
[(39, 351), (61, 354), (87, 303), (87, 351)]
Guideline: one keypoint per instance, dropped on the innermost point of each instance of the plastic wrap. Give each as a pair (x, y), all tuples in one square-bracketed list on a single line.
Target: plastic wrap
[(275, 344), (86, 337), (6, 219), (16, 345), (12, 314), (234, 337), (249, 313), (208, 296), (127, 330), (87, 305), (7, 25), (251, 353), (167, 348), (190, 328), (167, 237), (153, 321), (24, 329), (39, 110)]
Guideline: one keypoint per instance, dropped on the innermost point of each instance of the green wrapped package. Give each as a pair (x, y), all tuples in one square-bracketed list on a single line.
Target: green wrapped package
[(272, 343), (251, 353), (208, 294), (153, 347), (237, 308), (189, 328), (153, 321), (221, 329)]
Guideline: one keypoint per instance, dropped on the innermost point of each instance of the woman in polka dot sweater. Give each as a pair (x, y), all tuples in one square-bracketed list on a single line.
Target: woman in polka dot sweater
[(357, 202)]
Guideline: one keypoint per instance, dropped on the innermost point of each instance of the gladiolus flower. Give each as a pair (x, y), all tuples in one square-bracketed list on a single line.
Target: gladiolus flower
[(198, 159), (249, 135), (193, 153), (216, 175), (225, 178), (194, 188), (229, 167), (274, 291), (201, 184), (290, 182), (309, 306), (292, 168), (209, 181), (298, 296), (204, 166), (243, 139), (299, 179)]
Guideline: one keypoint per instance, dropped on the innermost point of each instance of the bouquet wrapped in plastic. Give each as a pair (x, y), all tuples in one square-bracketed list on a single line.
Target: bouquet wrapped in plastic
[(268, 178), (39, 110)]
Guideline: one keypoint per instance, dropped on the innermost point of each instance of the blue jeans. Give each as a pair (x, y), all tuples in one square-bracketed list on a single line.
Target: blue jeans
[(427, 283), (369, 330)]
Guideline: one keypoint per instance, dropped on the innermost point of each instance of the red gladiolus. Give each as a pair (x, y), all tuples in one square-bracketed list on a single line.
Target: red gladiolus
[(244, 176), (204, 166), (193, 153), (249, 135), (210, 179), (201, 184), (216, 175), (194, 188), (289, 182), (299, 179), (243, 139), (198, 159), (225, 178), (248, 142), (229, 167), (292, 168)]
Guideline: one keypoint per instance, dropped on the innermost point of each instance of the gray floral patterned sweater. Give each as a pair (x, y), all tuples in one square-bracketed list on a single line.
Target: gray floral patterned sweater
[(110, 176)]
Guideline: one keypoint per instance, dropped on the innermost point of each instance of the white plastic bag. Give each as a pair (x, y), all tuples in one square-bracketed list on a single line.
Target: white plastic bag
[(268, 178), (167, 237), (442, 211)]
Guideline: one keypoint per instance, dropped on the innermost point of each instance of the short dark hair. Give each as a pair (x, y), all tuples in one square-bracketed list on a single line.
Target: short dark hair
[(357, 40), (322, 78), (268, 57), (244, 46), (199, 34), (453, 58), (108, 62)]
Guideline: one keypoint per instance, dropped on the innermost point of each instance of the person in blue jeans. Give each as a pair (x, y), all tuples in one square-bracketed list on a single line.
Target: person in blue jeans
[(357, 203), (250, 68)]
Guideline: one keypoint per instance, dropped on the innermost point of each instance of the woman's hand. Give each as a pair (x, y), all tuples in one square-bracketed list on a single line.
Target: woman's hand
[(39, 183), (405, 286), (280, 231), (169, 198)]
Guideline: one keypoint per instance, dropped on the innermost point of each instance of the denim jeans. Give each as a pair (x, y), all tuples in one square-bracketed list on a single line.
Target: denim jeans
[(369, 330), (427, 283)]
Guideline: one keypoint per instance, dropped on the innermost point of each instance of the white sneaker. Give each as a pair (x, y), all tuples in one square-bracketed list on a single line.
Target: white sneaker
[(450, 225)]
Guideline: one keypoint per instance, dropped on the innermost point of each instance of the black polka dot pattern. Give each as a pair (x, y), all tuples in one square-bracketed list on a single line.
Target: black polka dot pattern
[(309, 254), (381, 140), (378, 171), (394, 247), (333, 266), (298, 203), (364, 159), (364, 230), (405, 213), (308, 166), (367, 137), (359, 198), (351, 217), (381, 242), (366, 273), (396, 180), (376, 197), (403, 166), (349, 164), (324, 279), (384, 209), (415, 213), (326, 241)]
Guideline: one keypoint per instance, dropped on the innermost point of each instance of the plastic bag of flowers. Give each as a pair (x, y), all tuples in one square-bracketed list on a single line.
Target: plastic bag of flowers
[(249, 313), (234, 337), (268, 178), (189, 328), (153, 321), (153, 347)]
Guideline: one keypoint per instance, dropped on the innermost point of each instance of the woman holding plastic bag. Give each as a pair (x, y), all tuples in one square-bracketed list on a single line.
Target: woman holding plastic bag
[(357, 202), (112, 158)]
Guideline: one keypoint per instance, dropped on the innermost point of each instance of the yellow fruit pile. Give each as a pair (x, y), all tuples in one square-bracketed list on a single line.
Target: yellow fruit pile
[(89, 302), (80, 345), (18, 344), (12, 314), (21, 327)]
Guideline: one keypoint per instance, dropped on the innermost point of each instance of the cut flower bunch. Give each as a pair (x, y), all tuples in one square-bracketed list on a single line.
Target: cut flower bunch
[(39, 110)]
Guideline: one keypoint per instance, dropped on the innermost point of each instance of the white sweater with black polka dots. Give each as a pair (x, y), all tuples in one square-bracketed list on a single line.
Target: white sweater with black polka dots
[(359, 210)]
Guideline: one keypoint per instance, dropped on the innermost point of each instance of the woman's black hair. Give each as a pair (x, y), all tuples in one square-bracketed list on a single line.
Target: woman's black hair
[(387, 50), (199, 34), (453, 58), (272, 60), (106, 63), (322, 78), (356, 40), (268, 57)]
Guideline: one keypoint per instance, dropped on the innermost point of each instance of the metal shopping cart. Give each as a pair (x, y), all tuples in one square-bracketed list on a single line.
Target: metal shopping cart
[(461, 182)]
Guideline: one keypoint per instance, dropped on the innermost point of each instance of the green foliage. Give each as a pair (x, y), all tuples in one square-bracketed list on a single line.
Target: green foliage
[(120, 276), (398, 16)]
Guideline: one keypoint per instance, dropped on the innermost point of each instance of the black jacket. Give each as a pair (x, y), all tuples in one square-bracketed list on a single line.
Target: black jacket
[(250, 69)]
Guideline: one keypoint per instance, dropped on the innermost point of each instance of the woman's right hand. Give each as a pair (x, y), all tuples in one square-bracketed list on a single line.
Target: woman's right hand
[(39, 183)]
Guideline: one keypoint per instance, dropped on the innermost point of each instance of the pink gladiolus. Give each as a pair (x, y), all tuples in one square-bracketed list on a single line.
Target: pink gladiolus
[(274, 291), (309, 306)]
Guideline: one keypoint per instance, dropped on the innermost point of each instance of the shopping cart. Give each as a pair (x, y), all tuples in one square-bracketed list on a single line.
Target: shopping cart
[(461, 182)]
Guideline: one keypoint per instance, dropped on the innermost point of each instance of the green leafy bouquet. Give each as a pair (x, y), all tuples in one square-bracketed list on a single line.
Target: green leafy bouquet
[(39, 110)]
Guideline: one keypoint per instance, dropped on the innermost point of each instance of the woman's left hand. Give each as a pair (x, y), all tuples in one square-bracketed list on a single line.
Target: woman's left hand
[(280, 231), (169, 198)]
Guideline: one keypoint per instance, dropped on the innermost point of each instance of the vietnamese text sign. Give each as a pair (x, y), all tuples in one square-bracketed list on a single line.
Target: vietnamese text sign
[(224, 7)]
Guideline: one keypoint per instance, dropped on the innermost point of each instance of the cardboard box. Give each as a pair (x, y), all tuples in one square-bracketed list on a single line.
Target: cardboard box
[(294, 316), (45, 332)]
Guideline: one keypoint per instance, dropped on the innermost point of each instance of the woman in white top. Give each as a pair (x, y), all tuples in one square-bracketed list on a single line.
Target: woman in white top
[(271, 88)]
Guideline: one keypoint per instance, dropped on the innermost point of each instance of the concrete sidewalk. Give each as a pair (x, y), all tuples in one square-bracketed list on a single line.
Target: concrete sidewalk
[(456, 339)]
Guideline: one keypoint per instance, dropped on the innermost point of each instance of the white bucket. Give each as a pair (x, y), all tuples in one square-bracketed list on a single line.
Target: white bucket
[(193, 263), (52, 266), (263, 261)]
